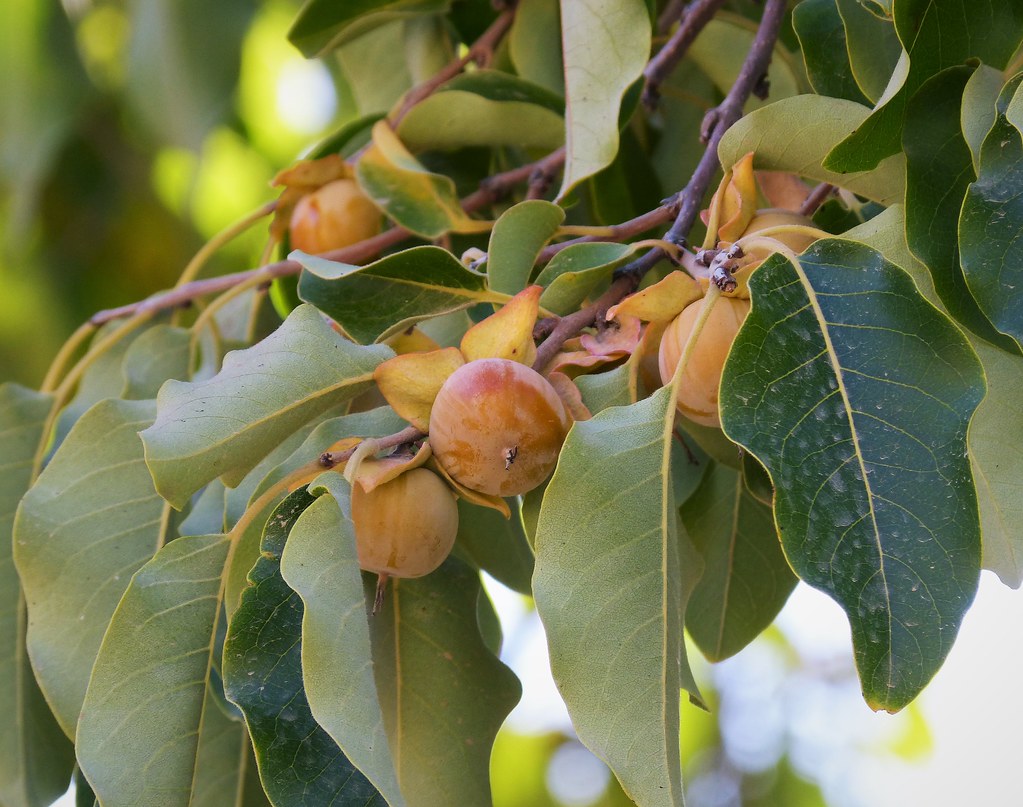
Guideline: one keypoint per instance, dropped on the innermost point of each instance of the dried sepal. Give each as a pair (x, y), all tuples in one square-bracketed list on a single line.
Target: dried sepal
[(376, 471)]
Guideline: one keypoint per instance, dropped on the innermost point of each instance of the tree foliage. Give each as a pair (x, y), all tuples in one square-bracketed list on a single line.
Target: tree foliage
[(182, 602)]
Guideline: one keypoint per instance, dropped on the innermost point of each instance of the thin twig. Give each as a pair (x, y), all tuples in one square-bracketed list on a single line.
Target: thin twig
[(694, 19), (816, 198), (545, 173)]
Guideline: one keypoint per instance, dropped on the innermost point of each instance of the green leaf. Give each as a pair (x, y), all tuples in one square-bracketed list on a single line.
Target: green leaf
[(608, 588), (939, 169), (978, 111), (516, 241), (534, 44), (577, 271), (990, 227), (855, 394), (374, 67), (628, 187), (35, 756), (383, 298), (721, 48), (91, 520), (606, 45), (223, 427), (496, 544), (485, 108), (299, 764), (139, 729), (322, 25), (220, 761), (936, 34), (686, 98), (872, 46), (433, 693), (419, 200), (615, 387), (821, 33), (997, 463), (159, 353), (746, 579), (795, 134)]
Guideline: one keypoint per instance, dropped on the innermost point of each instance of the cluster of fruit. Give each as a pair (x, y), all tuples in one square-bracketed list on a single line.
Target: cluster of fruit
[(494, 426)]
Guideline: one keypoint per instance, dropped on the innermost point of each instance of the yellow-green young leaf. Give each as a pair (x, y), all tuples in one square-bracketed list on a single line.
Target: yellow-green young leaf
[(91, 520), (721, 48), (746, 579), (420, 201), (416, 677), (299, 763), (35, 756), (223, 427), (609, 589), (606, 45), (485, 108), (516, 241), (997, 464), (322, 25), (795, 134), (138, 734), (159, 353), (861, 422), (383, 298)]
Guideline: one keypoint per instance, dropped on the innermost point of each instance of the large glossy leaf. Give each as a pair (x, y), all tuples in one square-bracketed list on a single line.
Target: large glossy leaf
[(939, 169), (936, 34), (299, 764), (138, 733), (608, 587), (35, 756), (821, 33), (516, 241), (872, 46), (855, 394), (224, 426), (996, 462), (411, 690), (990, 227), (380, 299), (795, 134), (746, 579), (485, 108), (91, 520), (322, 25), (606, 45)]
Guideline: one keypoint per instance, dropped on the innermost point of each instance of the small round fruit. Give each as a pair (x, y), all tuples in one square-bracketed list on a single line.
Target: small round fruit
[(701, 380), (405, 527), (337, 215), (779, 217), (497, 427)]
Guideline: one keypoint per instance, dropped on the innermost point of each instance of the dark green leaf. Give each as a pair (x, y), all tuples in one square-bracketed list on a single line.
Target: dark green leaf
[(872, 46), (90, 521), (84, 797), (224, 426), (322, 25), (137, 742), (299, 764), (628, 187), (822, 39), (516, 241), (383, 298), (990, 227), (855, 394), (746, 579), (937, 34), (939, 169), (35, 756), (608, 588), (496, 544)]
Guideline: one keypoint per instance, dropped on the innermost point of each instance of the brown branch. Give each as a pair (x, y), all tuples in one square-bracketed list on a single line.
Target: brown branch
[(694, 19), (816, 198), (688, 200)]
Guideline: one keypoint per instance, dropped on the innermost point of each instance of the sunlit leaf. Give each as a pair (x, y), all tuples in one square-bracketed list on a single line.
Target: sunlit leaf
[(224, 426), (516, 240), (861, 422)]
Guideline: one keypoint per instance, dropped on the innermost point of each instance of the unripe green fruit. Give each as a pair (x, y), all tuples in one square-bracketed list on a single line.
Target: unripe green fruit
[(497, 427), (701, 380), (405, 527), (337, 215)]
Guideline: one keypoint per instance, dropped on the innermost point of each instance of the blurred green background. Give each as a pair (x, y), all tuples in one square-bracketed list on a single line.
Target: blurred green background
[(131, 131)]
